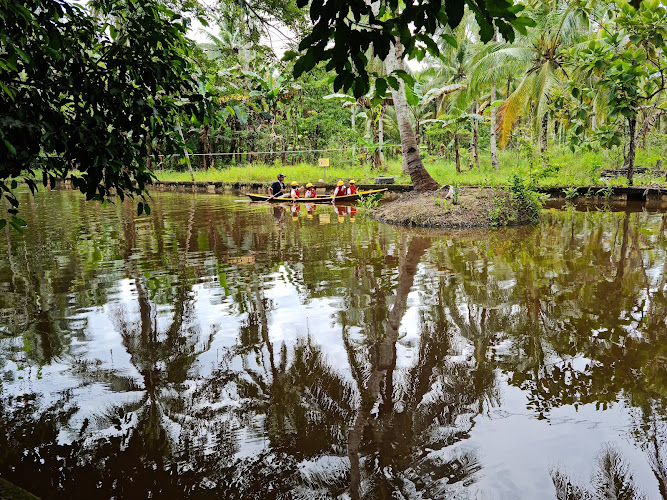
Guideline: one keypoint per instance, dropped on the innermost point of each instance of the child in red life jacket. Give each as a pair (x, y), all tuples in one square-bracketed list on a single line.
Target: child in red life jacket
[(340, 189), (294, 192), (353, 188), (311, 192)]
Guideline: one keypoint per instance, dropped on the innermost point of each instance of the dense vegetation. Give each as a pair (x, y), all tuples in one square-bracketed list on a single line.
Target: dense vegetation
[(579, 93), (115, 90)]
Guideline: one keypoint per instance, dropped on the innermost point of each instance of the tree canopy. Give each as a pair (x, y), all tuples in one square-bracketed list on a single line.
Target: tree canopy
[(89, 89), (357, 26)]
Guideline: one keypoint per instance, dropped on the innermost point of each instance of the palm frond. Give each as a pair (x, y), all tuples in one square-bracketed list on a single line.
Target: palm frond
[(512, 109), (498, 62)]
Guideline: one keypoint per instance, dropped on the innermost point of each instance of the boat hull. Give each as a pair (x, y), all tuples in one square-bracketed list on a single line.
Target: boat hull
[(348, 198)]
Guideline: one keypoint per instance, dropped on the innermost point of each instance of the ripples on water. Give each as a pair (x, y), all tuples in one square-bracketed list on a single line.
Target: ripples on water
[(218, 349)]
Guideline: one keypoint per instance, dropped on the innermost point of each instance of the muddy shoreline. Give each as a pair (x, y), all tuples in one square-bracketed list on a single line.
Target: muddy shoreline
[(469, 208)]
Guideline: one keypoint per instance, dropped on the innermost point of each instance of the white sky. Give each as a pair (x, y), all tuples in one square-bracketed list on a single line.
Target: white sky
[(278, 39)]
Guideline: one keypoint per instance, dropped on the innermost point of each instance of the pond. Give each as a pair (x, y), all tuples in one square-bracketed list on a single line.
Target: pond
[(223, 349)]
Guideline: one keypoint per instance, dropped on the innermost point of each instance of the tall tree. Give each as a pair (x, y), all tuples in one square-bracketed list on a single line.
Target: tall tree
[(628, 64)]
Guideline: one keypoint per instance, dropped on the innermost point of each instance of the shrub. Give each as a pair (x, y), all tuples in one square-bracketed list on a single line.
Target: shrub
[(525, 201)]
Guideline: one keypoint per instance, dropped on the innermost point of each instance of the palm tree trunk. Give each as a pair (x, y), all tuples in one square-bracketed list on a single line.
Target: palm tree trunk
[(354, 127), (381, 134), (629, 162), (421, 179), (544, 133), (492, 136), (457, 157), (475, 141), (185, 150), (373, 131)]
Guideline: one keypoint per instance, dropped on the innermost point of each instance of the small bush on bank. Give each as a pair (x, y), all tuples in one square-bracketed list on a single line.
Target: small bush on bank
[(525, 201)]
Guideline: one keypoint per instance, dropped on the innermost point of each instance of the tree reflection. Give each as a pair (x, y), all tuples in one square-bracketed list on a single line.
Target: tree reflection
[(306, 401), (383, 423), (581, 309), (157, 443), (612, 480), (573, 311), (398, 419)]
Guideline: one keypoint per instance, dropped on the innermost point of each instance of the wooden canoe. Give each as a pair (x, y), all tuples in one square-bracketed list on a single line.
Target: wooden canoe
[(348, 198)]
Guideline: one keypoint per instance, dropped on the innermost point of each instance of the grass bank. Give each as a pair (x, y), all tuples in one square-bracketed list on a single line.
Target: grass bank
[(564, 169)]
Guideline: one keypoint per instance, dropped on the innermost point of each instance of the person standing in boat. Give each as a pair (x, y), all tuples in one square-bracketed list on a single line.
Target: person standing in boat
[(352, 189), (278, 188), (311, 192), (294, 192), (339, 190)]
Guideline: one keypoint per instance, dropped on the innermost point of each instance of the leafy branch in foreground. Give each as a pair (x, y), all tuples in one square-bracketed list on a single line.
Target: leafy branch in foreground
[(89, 90), (356, 26)]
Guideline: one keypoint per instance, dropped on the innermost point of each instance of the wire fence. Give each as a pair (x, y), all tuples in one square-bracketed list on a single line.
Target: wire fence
[(338, 156), (360, 149)]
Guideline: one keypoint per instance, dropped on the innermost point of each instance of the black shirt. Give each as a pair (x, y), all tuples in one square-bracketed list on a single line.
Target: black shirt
[(276, 187)]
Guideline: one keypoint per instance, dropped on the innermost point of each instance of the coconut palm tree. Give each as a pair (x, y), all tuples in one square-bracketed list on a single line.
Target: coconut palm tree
[(537, 61), (413, 165)]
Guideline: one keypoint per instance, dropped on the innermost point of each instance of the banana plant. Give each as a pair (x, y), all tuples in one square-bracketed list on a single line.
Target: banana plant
[(271, 88)]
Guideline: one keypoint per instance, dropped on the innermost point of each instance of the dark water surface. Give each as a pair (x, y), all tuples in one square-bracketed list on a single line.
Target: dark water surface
[(217, 349)]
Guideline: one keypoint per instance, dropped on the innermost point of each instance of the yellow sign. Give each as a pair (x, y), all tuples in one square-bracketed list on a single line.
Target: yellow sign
[(323, 162)]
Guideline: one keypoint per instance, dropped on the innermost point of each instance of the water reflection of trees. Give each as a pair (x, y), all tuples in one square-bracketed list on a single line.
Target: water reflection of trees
[(574, 311), (582, 305), (383, 419), (128, 448)]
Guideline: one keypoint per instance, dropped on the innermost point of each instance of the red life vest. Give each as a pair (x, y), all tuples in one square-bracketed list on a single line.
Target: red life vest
[(352, 189), (340, 191)]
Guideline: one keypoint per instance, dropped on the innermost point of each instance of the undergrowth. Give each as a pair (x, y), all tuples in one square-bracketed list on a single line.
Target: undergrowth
[(564, 168)]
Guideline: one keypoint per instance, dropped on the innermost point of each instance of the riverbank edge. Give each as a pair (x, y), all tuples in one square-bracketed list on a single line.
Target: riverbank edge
[(473, 208), (9, 491), (601, 193)]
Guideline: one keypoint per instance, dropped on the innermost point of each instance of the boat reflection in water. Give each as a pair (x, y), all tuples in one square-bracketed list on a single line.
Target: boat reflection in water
[(218, 349)]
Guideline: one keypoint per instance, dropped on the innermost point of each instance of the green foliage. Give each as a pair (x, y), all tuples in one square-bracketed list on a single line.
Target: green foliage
[(571, 193), (497, 212), (90, 91), (627, 65), (524, 200), (456, 193), (369, 202), (605, 192), (523, 205), (413, 24)]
